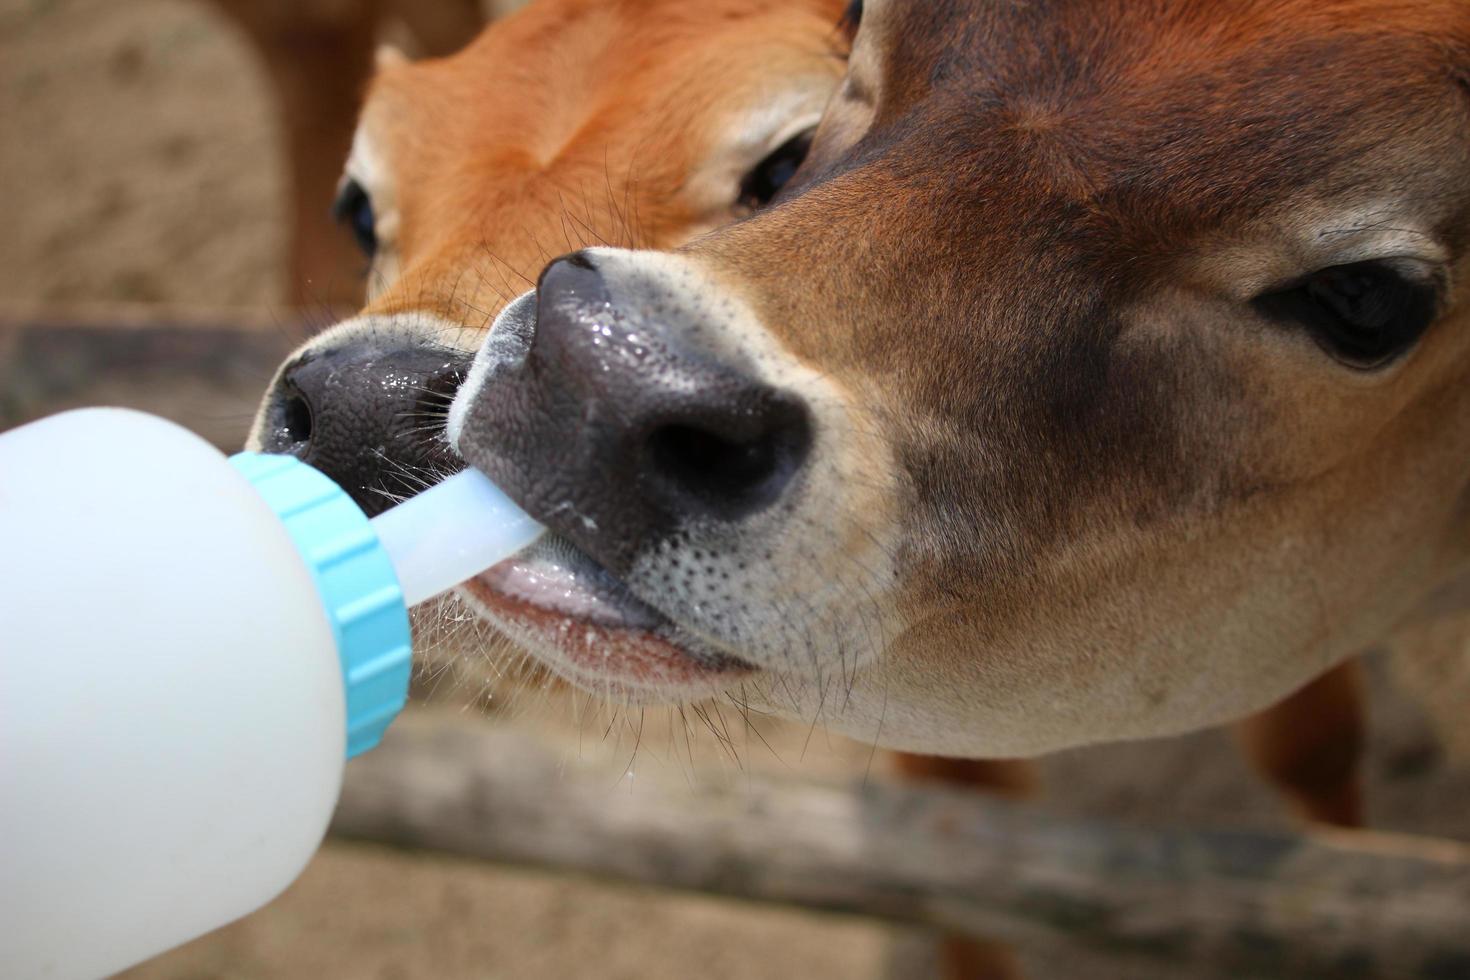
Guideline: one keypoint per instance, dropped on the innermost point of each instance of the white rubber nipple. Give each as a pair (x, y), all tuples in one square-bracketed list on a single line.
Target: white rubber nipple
[(450, 533)]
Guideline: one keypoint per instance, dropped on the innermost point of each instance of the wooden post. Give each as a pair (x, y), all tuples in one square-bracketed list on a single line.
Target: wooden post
[(1344, 904)]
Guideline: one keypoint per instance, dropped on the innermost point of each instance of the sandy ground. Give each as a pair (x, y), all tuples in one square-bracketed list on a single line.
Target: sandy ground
[(137, 158), (137, 164)]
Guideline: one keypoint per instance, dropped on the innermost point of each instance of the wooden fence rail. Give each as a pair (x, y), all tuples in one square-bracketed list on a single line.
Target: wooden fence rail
[(1339, 905), (203, 373)]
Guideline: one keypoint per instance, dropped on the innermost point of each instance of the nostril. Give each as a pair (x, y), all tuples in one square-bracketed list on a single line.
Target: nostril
[(296, 419), (730, 475), (703, 459)]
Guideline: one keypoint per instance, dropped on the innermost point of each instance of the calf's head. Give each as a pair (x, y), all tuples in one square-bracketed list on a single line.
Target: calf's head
[(571, 122), (1102, 373)]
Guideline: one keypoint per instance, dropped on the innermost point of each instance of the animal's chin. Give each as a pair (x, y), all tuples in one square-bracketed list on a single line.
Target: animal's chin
[(586, 626)]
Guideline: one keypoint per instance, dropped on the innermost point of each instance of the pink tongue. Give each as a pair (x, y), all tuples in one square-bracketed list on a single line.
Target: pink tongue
[(552, 585)]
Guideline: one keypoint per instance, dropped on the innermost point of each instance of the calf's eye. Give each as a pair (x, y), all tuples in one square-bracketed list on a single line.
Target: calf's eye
[(354, 209), (773, 173), (1365, 314)]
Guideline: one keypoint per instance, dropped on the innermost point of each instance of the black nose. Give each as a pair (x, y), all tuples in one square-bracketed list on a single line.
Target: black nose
[(615, 430), (370, 415)]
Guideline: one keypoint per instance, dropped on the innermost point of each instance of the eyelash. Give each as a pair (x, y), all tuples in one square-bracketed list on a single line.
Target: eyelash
[(1364, 314)]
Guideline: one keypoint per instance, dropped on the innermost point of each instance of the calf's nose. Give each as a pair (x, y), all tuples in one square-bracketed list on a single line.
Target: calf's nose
[(368, 414), (617, 432)]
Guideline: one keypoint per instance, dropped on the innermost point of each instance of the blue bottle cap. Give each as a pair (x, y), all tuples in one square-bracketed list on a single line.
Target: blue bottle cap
[(356, 582)]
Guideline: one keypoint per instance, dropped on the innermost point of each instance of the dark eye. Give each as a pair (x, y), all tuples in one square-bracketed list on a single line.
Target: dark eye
[(851, 18), (774, 172), (1364, 314), (354, 209)]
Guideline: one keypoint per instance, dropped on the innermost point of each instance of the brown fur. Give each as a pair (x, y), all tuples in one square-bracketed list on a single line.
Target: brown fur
[(1046, 185), (318, 57), (593, 144)]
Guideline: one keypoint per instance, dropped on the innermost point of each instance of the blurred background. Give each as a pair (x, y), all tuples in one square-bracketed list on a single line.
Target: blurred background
[(151, 255)]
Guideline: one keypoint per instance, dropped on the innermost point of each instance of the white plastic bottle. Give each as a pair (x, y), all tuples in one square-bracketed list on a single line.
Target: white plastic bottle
[(190, 648)]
